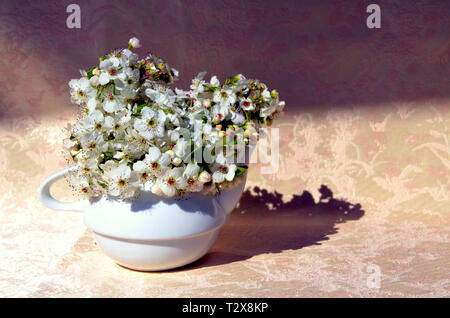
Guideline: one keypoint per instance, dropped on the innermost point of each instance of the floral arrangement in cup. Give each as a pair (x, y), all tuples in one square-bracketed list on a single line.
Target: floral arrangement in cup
[(136, 133)]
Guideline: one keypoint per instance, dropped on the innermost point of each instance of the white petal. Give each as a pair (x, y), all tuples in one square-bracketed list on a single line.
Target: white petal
[(168, 190), (84, 83), (119, 155), (150, 93), (161, 116), (106, 63), (115, 61), (92, 104), (148, 185), (153, 154), (218, 177), (238, 119), (139, 166), (230, 175), (217, 98), (109, 122), (181, 183), (220, 158), (120, 84), (149, 135), (74, 84), (192, 170), (200, 75), (156, 189), (113, 190), (110, 106), (124, 171), (164, 160), (97, 116), (147, 113), (108, 165), (177, 172), (104, 78), (214, 81), (159, 130), (140, 125)]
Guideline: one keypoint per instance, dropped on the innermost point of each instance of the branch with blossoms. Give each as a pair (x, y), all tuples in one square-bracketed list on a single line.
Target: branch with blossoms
[(137, 134)]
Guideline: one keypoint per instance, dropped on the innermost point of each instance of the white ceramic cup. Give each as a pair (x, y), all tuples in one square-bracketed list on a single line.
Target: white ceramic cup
[(150, 233)]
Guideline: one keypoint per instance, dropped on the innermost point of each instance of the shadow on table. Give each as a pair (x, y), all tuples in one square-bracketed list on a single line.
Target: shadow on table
[(262, 223)]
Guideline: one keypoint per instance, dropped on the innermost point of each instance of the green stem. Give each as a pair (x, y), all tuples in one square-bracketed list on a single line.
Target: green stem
[(193, 151), (73, 156)]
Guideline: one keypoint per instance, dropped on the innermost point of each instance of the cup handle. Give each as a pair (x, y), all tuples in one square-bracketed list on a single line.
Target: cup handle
[(49, 201)]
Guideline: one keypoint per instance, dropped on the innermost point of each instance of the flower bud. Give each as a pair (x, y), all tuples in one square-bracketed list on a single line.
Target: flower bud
[(206, 103), (171, 153), (216, 119), (204, 177), (134, 43), (274, 94), (176, 161), (96, 71), (94, 80)]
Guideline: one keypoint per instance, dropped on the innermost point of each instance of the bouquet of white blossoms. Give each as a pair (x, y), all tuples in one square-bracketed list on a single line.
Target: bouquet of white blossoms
[(136, 133)]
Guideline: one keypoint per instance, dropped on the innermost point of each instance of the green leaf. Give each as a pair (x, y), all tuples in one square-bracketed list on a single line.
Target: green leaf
[(231, 81), (140, 107), (241, 170), (211, 89), (90, 74), (103, 185)]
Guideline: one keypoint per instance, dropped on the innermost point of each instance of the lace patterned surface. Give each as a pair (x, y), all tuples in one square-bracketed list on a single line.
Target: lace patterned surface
[(364, 175)]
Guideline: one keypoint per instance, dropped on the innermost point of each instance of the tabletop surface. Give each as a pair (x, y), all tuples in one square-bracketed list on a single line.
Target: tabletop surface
[(358, 207)]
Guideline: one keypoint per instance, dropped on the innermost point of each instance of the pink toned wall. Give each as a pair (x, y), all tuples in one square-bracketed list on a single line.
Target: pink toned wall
[(316, 53)]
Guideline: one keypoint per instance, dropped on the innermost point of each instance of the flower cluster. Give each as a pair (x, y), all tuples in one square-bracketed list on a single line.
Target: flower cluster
[(136, 133)]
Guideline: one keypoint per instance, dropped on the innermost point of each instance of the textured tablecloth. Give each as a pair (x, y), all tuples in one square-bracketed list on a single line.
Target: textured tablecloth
[(360, 205), (358, 193)]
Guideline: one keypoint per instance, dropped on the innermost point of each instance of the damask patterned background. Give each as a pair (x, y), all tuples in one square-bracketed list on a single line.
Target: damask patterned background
[(363, 184)]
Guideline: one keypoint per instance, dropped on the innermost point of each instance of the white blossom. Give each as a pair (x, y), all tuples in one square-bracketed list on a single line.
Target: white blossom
[(81, 90), (171, 181), (247, 104), (136, 133), (122, 181), (223, 172), (151, 124)]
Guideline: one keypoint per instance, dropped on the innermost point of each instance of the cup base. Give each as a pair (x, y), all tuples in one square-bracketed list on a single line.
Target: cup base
[(156, 255)]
